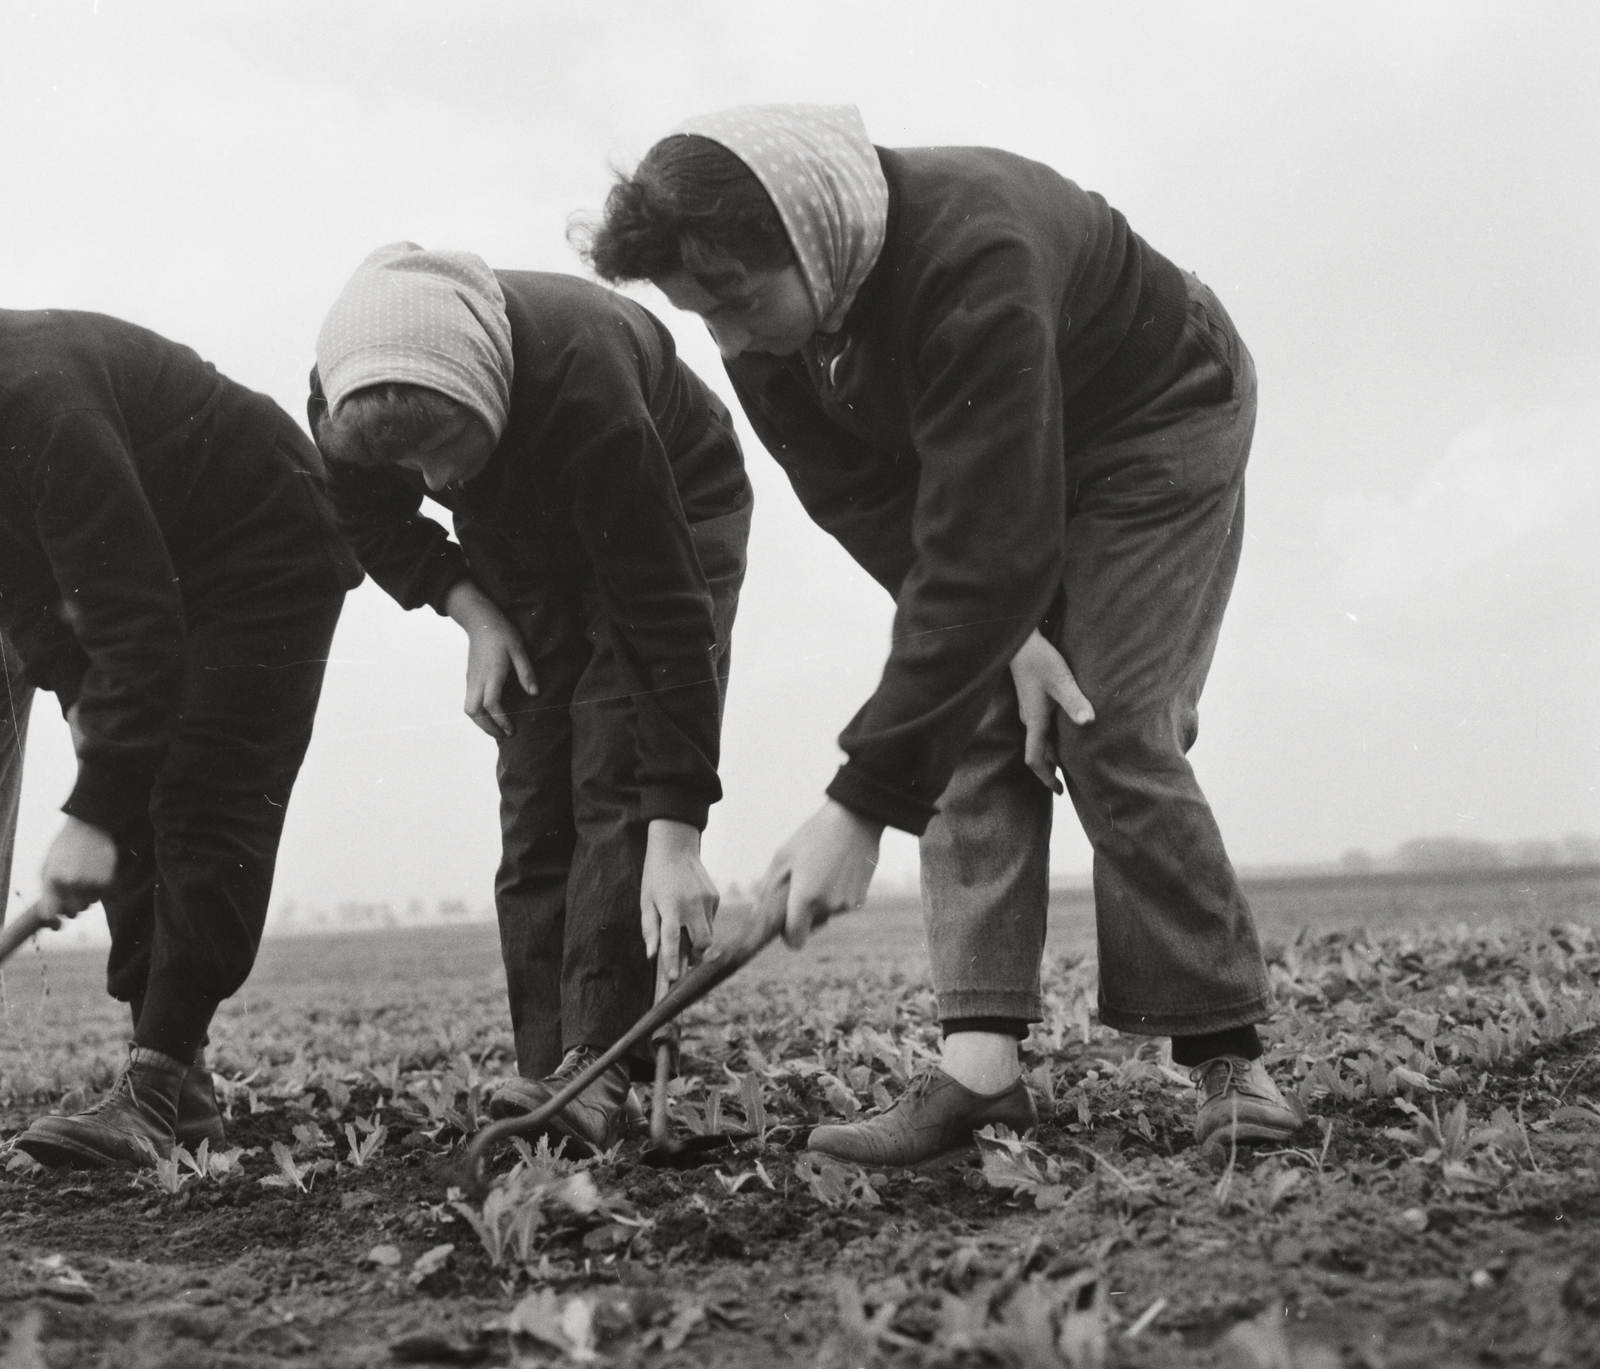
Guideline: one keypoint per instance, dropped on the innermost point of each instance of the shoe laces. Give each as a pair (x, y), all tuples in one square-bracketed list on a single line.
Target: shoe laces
[(1231, 1068), (574, 1062), (919, 1085), (123, 1088)]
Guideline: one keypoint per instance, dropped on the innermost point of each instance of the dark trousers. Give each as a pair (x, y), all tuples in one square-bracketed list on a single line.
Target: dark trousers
[(572, 840), (1154, 525), (261, 600)]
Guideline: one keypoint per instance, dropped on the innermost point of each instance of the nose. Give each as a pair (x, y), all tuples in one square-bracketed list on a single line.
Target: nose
[(731, 338), (435, 478)]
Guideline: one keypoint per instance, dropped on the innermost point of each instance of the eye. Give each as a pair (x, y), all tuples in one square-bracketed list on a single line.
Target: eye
[(737, 307)]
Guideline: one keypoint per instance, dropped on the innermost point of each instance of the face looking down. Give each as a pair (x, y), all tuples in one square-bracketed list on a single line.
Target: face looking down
[(755, 311), (452, 455)]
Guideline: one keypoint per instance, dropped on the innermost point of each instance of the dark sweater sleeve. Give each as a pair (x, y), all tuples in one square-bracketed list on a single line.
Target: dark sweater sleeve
[(985, 516), (411, 556), (120, 593), (987, 533), (628, 517), (53, 657)]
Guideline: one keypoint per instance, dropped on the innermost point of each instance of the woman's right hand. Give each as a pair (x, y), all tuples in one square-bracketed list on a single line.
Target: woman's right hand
[(495, 651), (78, 868), (1045, 683)]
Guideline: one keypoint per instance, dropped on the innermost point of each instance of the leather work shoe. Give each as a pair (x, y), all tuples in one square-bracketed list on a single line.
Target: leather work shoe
[(1239, 1102), (592, 1122), (933, 1120), (141, 1107), (199, 1117)]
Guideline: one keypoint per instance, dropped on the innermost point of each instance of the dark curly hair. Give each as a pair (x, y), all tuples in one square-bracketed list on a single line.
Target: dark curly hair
[(691, 205), (380, 424)]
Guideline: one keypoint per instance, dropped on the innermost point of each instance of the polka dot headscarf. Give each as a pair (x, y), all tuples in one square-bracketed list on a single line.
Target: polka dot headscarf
[(409, 316), (822, 172)]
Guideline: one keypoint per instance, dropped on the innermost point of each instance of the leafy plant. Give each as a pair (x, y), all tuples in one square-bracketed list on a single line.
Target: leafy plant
[(834, 1183), (168, 1173), (1021, 1166), (363, 1148), (541, 1193), (290, 1174)]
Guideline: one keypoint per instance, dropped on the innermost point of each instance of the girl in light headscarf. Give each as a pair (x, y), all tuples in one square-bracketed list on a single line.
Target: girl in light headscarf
[(1031, 428), (600, 508)]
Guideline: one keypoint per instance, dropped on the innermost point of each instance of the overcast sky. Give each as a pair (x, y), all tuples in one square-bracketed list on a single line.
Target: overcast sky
[(1399, 203)]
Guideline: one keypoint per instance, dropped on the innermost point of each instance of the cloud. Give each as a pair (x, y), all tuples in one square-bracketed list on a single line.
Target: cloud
[(1503, 522)]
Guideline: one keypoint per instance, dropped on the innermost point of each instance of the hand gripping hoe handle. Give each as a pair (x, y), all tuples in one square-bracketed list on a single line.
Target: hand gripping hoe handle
[(721, 961), (35, 919)]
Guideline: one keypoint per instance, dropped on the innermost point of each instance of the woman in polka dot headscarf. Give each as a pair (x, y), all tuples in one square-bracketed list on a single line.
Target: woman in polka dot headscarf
[(1031, 428)]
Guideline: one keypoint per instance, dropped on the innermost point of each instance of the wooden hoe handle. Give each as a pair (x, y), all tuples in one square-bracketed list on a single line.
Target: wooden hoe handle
[(720, 962), (35, 919)]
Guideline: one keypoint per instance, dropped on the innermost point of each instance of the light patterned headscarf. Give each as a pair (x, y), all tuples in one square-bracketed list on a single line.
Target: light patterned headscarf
[(409, 316), (822, 172)]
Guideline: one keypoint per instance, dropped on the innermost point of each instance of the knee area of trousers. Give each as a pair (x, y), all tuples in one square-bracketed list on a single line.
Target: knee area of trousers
[(1143, 740)]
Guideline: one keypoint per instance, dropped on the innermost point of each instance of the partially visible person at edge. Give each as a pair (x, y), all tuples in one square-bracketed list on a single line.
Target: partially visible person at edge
[(169, 570), (601, 510), (15, 709), (1031, 428)]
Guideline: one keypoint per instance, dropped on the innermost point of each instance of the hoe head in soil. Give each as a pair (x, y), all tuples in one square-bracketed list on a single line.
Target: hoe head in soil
[(721, 961)]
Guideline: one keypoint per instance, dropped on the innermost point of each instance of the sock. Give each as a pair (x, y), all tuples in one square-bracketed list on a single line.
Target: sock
[(998, 1026), (1190, 1051), (985, 1062), (172, 1024)]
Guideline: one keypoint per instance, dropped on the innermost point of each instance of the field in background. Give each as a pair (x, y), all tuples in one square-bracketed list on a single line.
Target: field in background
[(53, 1005), (1441, 1203), (373, 967)]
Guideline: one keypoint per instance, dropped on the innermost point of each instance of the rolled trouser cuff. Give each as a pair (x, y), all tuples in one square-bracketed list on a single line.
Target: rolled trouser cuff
[(1022, 1005), (1215, 1017)]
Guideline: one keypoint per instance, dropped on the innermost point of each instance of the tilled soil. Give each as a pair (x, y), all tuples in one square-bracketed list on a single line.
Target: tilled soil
[(1366, 1258)]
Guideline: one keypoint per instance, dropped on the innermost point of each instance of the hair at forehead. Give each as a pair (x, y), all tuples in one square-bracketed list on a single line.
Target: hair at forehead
[(693, 205), (380, 424)]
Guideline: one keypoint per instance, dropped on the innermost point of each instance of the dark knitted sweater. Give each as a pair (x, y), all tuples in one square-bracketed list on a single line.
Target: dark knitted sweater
[(609, 453), (1010, 317), (121, 455)]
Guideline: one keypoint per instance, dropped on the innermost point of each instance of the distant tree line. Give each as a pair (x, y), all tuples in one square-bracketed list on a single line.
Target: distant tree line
[(1469, 853), (356, 916)]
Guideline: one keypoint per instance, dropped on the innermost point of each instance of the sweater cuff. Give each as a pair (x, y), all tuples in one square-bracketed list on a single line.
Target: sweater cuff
[(871, 798), (112, 798), (662, 801), (445, 575)]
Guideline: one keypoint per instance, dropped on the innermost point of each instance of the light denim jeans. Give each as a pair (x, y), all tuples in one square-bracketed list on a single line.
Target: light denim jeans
[(1154, 522)]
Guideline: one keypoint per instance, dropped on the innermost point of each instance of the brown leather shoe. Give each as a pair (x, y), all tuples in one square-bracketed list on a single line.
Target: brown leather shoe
[(1239, 1102), (199, 1117), (932, 1121), (141, 1108), (591, 1122)]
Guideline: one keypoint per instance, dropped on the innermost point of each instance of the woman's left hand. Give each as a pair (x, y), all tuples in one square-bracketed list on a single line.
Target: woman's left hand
[(676, 896), (1044, 682)]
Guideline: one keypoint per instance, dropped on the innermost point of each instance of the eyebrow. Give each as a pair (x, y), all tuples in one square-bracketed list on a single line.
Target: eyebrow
[(718, 284)]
